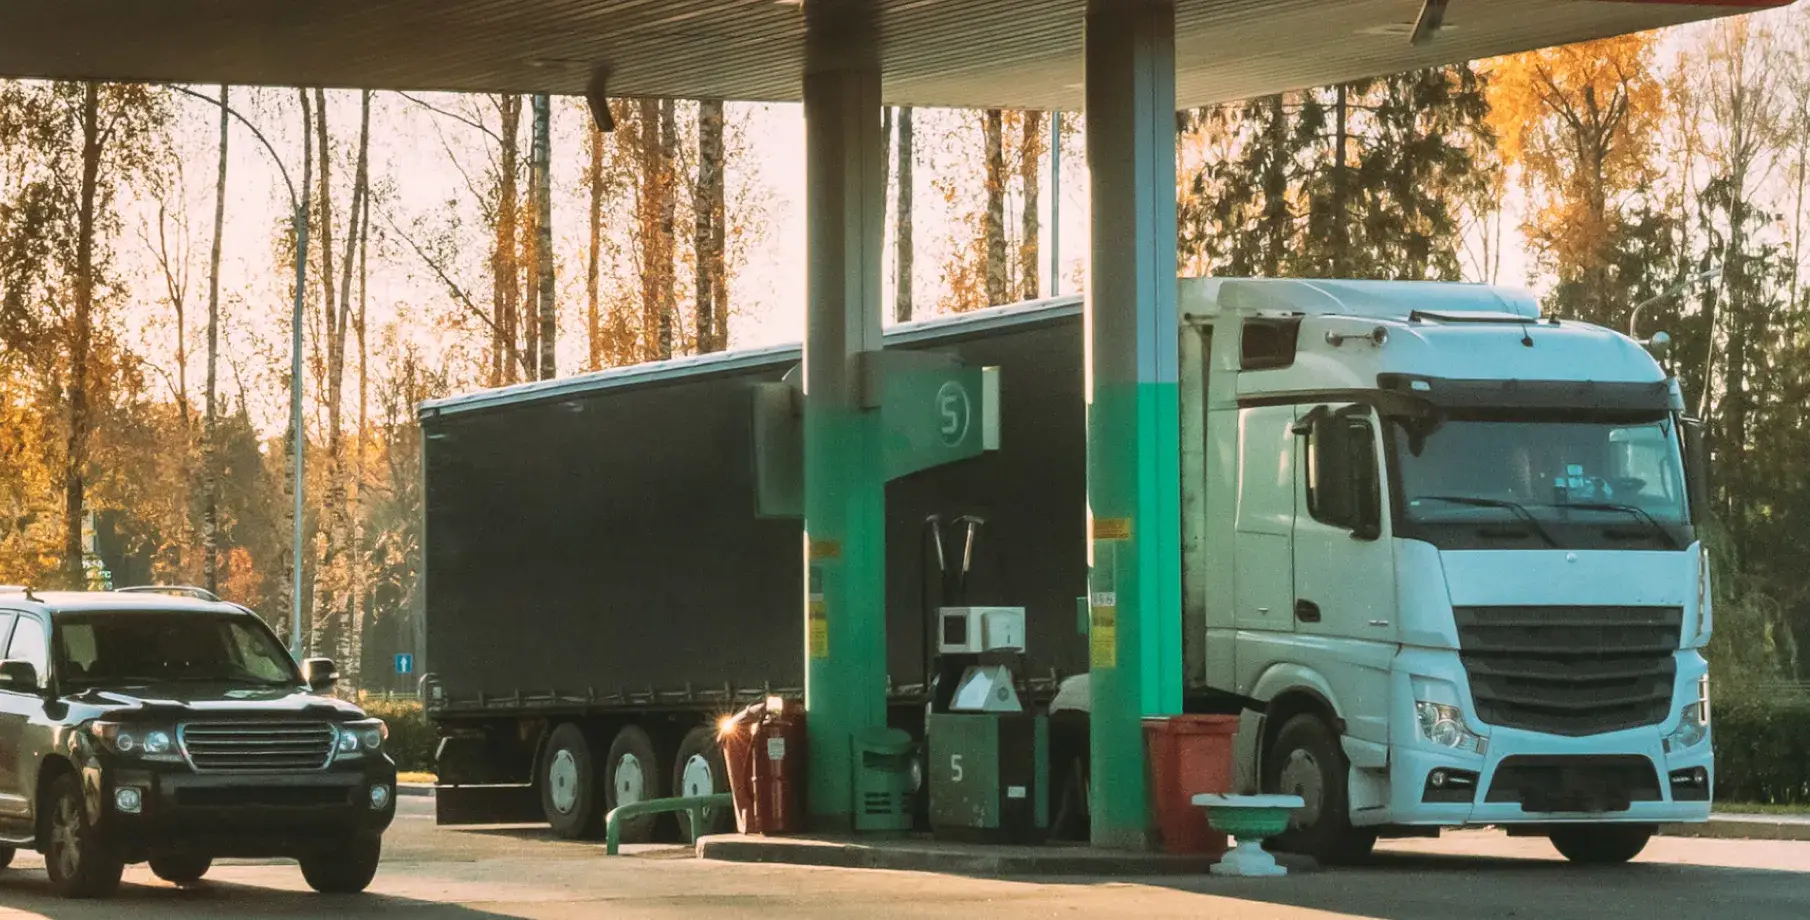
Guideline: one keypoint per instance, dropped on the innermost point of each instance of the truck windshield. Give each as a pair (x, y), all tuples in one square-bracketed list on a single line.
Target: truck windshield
[(1499, 482), (140, 648)]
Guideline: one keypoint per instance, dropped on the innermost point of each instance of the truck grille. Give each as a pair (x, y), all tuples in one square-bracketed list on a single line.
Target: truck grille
[(1570, 670), (263, 746)]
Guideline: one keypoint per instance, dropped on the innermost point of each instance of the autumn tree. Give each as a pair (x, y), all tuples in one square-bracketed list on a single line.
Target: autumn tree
[(1578, 121)]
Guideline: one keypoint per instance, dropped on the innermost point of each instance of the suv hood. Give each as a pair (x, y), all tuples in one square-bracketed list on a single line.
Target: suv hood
[(213, 699)]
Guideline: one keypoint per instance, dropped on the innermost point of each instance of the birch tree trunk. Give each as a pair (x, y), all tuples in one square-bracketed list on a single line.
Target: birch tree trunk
[(210, 473), (994, 221), (505, 271), (1030, 154), (593, 321), (649, 220), (81, 335), (901, 304), (708, 239), (668, 159)]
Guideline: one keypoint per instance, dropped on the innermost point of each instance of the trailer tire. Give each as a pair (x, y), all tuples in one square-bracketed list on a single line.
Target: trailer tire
[(632, 774), (1306, 760), (568, 784), (1601, 844), (699, 769)]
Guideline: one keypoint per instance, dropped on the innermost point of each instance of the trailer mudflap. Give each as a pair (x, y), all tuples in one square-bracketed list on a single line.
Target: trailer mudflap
[(464, 805)]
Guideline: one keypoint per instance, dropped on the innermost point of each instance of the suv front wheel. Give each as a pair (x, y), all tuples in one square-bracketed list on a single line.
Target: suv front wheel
[(6, 857), (81, 863), (344, 869)]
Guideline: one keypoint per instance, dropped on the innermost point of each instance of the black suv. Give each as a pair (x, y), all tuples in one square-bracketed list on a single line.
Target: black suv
[(177, 730)]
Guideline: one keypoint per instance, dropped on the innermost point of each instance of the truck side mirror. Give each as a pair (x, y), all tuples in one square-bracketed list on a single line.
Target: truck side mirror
[(19, 676), (1696, 469), (320, 674), (1366, 489)]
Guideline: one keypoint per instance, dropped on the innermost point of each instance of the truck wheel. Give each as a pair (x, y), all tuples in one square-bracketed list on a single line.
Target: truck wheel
[(698, 769), (1306, 760), (81, 863), (568, 784), (6, 857), (345, 869), (633, 774), (181, 870), (1601, 844)]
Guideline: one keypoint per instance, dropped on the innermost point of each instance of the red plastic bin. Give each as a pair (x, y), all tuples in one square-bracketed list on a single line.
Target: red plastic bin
[(1189, 755)]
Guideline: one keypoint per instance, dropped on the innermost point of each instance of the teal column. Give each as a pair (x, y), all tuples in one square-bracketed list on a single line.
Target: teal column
[(845, 485), (1134, 474)]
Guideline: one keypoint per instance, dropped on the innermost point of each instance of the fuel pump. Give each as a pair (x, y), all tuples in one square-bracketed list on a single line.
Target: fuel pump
[(987, 755)]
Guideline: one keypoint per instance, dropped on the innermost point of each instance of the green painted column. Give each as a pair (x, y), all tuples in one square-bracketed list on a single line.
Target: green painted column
[(845, 483), (1134, 477)]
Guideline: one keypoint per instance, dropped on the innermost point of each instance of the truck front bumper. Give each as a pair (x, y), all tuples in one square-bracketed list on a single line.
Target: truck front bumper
[(1529, 778), (227, 815)]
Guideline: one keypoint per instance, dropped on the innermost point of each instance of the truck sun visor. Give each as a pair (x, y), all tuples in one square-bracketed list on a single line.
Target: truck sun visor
[(1453, 393)]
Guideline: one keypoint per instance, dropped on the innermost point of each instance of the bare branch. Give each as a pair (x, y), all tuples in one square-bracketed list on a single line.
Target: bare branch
[(452, 115)]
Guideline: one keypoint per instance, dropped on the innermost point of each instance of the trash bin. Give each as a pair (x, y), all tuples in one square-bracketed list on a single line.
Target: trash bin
[(882, 780), (1189, 755)]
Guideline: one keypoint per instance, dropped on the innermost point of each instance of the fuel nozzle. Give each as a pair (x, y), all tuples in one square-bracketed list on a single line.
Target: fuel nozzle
[(970, 525)]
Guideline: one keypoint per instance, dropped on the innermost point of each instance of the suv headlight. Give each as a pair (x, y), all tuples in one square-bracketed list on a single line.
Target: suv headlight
[(145, 742), (360, 737), (1693, 721), (1444, 726)]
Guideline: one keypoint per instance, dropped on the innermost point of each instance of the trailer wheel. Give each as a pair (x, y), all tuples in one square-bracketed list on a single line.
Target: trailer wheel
[(1601, 844), (632, 774), (1306, 760), (568, 784), (698, 769)]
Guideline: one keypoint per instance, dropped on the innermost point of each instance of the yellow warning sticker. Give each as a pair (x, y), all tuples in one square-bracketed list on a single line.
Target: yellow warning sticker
[(1112, 528), (826, 549), (817, 635), (1103, 638)]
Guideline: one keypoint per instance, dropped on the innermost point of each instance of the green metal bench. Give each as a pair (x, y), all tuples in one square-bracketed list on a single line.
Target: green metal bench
[(692, 804)]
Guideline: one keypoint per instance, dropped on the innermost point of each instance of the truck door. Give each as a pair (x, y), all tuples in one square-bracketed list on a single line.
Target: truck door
[(1344, 570), (1263, 581)]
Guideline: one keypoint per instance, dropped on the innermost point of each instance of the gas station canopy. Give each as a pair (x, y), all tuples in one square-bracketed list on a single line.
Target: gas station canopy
[(974, 53)]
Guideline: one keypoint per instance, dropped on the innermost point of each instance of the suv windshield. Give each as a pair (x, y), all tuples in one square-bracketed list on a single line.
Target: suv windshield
[(137, 648), (1497, 481)]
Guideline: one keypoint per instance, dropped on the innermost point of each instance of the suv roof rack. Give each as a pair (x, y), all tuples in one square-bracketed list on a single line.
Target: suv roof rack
[(177, 590)]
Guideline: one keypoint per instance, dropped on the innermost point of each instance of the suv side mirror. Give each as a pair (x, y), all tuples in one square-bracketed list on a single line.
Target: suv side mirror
[(19, 676), (320, 673)]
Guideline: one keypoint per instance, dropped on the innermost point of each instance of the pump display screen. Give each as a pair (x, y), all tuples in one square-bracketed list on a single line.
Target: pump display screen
[(1548, 481)]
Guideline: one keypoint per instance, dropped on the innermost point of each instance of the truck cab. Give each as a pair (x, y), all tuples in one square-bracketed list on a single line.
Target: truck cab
[(173, 728), (1443, 551)]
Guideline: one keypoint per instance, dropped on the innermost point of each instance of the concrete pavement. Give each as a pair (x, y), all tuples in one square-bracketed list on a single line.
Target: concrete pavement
[(516, 873)]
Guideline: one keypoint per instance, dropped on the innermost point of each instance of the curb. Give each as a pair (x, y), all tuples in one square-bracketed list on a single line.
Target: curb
[(1744, 828), (914, 856), (415, 789)]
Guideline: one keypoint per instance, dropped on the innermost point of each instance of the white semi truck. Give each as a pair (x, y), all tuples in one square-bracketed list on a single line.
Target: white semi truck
[(1439, 551)]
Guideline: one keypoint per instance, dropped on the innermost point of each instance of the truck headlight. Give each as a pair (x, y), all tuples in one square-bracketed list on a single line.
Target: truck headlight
[(1693, 721), (1444, 726)]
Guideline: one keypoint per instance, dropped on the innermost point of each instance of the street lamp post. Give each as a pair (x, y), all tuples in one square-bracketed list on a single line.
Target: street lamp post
[(1673, 291), (300, 218)]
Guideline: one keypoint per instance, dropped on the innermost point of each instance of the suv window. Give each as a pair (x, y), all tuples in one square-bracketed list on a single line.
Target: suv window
[(6, 626), (28, 645)]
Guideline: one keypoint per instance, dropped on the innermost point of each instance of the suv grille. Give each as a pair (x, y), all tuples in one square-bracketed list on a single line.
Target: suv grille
[(256, 746), (1570, 670)]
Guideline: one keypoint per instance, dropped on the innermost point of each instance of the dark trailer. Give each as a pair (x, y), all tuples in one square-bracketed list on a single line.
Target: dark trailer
[(600, 589)]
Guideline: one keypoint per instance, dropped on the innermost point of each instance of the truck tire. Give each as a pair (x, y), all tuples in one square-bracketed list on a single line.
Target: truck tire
[(1306, 760), (81, 863), (344, 869), (568, 784), (698, 769), (1601, 844), (632, 774), (181, 870)]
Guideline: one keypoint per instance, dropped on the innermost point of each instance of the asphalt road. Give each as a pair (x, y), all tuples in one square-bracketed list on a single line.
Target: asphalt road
[(500, 873)]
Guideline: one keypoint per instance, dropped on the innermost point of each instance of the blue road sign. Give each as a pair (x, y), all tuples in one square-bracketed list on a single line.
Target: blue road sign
[(405, 664)]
